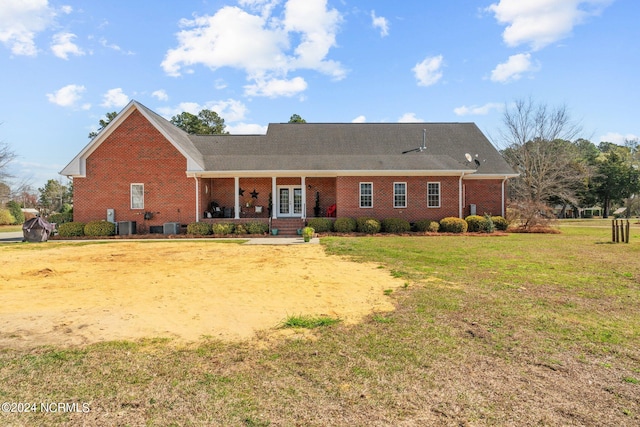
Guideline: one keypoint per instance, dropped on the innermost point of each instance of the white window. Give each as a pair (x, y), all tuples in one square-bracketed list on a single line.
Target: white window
[(433, 194), (137, 196), (399, 194), (366, 194)]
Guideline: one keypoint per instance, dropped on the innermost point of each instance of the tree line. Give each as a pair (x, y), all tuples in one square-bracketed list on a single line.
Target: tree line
[(558, 168)]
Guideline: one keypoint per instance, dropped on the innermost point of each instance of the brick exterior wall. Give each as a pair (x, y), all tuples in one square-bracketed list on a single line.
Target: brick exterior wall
[(348, 197), (326, 188), (485, 194), (135, 153)]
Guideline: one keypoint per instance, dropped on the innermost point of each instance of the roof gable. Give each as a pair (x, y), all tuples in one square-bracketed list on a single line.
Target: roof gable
[(176, 136)]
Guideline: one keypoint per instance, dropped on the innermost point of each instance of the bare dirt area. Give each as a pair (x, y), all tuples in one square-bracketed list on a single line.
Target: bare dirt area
[(76, 294)]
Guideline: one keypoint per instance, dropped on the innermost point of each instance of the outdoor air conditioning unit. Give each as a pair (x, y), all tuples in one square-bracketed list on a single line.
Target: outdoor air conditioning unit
[(126, 228), (171, 228)]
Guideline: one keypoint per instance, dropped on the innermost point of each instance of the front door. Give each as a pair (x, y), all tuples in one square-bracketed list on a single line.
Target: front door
[(289, 201)]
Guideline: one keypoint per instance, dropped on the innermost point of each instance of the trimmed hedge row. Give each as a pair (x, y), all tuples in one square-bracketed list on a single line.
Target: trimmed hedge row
[(367, 225), (224, 228)]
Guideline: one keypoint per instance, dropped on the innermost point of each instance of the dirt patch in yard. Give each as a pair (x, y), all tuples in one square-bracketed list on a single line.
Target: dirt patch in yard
[(81, 294)]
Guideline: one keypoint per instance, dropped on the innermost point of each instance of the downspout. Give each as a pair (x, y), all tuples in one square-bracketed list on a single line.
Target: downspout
[(460, 201), (197, 198), (504, 181)]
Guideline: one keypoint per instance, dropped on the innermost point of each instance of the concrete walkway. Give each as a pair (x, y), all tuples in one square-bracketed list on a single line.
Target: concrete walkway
[(16, 236)]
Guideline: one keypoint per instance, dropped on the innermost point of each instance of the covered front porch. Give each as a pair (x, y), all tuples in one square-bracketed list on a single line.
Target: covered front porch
[(275, 197)]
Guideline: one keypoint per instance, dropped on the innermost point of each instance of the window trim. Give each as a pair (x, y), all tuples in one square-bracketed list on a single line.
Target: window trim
[(404, 194), (132, 195), (370, 195), (439, 186)]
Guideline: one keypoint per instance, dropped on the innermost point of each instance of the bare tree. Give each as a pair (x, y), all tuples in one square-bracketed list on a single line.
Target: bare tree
[(538, 145), (6, 156)]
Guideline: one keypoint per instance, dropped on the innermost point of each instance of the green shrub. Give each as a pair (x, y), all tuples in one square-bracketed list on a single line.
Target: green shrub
[(500, 223), (368, 225), (422, 225), (71, 229), (257, 227), (308, 233), (427, 225), (344, 225), (240, 229), (395, 225), (99, 228), (60, 218), (6, 218), (490, 227), (321, 225), (199, 228), (476, 223), (223, 228), (15, 210), (452, 224)]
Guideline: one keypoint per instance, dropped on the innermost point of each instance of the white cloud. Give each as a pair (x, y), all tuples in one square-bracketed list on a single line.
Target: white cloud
[(542, 22), (230, 110), (514, 68), (428, 72), (160, 95), (246, 129), (115, 47), (114, 98), (21, 21), (475, 110), (262, 45), (618, 138), (63, 45), (381, 23), (276, 87), (409, 118), (67, 96), (359, 119)]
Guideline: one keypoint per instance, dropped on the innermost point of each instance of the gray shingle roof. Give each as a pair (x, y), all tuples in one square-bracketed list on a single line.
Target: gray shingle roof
[(353, 147)]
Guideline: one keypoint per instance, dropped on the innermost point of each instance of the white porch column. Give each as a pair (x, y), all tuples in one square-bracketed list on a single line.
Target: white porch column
[(236, 203), (304, 197), (273, 197), (197, 199)]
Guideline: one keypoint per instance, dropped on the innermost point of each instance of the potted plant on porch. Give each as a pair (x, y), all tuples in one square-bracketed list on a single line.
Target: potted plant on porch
[(307, 233)]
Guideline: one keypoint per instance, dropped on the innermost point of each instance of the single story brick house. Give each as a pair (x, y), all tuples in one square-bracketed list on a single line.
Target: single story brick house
[(142, 168)]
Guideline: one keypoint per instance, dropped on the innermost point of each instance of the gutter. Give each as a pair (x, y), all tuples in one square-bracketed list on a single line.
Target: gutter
[(460, 201), (504, 181)]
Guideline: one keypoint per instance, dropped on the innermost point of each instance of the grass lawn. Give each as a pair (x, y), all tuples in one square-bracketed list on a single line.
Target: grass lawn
[(10, 228), (489, 330)]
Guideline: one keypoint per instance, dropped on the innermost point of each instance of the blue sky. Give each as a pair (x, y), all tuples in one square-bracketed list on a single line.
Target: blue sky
[(64, 64)]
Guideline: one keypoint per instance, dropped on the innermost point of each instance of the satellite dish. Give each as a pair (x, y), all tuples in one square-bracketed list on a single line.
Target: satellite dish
[(468, 157)]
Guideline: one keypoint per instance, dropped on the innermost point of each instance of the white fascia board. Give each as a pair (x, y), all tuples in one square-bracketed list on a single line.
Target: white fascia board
[(490, 176), (323, 173)]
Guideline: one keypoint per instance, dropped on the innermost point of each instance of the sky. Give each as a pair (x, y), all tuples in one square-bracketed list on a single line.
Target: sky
[(65, 64)]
